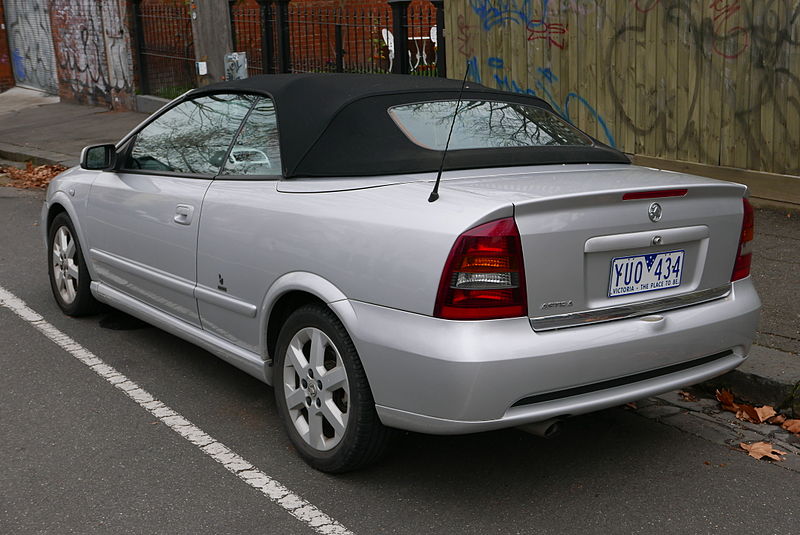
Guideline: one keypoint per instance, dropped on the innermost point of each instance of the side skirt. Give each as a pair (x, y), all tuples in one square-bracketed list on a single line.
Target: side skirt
[(246, 361)]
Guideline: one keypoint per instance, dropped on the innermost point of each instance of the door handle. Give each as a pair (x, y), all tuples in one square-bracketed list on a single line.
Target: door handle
[(183, 214)]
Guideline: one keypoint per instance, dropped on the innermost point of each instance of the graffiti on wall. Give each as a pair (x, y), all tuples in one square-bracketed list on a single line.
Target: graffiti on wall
[(93, 50), (32, 58), (545, 87), (734, 87), (764, 41)]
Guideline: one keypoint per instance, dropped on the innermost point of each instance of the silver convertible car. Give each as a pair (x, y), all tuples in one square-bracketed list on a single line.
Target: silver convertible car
[(550, 278)]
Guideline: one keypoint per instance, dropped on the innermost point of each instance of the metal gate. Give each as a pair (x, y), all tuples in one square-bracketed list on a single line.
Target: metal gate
[(166, 47), (31, 43)]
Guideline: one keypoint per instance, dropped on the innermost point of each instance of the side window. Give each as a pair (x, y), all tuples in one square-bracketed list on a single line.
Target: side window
[(193, 137), (256, 151)]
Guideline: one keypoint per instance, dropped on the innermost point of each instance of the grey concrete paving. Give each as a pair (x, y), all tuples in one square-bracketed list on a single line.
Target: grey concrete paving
[(37, 127), (776, 273)]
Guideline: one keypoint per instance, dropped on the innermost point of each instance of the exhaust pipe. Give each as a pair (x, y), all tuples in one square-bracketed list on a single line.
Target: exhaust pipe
[(545, 429)]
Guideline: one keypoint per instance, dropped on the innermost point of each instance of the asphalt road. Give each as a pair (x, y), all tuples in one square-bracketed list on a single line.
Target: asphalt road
[(78, 456)]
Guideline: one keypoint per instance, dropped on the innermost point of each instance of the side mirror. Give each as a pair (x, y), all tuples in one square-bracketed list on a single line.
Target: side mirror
[(99, 157)]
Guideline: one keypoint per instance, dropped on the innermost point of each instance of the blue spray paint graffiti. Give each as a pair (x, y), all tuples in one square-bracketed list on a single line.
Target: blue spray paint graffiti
[(474, 70), (544, 89), (500, 12), (18, 62)]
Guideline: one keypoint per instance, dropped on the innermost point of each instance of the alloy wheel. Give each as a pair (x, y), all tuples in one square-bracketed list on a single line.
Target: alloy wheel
[(65, 265), (316, 388)]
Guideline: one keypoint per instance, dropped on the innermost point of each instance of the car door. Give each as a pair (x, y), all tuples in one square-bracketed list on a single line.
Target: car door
[(237, 260), (143, 219)]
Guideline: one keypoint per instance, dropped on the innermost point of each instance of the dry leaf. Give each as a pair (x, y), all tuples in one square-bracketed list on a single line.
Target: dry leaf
[(765, 413), (778, 419), (726, 399), (631, 405), (756, 415), (793, 426), (32, 176), (748, 413), (759, 450), (687, 396)]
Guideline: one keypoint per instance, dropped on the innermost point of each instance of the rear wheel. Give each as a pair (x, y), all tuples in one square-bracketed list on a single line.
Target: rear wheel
[(322, 393), (69, 277)]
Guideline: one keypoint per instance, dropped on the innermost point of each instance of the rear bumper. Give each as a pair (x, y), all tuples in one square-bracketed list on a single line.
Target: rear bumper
[(449, 377)]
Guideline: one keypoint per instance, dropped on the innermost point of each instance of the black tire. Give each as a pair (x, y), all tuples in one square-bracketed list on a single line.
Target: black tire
[(83, 303), (365, 438)]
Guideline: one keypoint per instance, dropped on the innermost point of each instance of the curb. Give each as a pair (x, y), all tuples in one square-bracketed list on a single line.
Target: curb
[(767, 377), (19, 153)]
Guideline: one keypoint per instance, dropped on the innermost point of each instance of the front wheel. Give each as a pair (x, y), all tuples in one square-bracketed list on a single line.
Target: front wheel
[(69, 276), (322, 393)]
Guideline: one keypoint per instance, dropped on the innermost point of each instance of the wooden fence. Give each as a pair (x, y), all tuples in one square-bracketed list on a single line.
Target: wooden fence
[(714, 82)]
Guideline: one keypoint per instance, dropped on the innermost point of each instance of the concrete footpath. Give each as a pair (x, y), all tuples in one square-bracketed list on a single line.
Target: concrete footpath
[(41, 129)]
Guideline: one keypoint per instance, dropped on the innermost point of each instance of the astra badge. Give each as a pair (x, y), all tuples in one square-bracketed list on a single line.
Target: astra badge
[(557, 304), (654, 212)]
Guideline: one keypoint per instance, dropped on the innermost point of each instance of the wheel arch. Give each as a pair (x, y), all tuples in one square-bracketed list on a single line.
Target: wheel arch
[(60, 203), (294, 290)]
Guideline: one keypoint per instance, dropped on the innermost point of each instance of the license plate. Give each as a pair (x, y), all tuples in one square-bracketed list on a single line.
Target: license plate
[(645, 273)]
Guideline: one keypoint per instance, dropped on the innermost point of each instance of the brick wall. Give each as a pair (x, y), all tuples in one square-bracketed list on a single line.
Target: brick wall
[(93, 52), (6, 73)]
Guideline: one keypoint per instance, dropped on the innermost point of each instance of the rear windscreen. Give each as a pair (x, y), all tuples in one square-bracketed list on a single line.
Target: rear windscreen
[(483, 124)]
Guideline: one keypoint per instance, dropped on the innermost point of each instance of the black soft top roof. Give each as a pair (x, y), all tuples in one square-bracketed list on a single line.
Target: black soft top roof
[(338, 125)]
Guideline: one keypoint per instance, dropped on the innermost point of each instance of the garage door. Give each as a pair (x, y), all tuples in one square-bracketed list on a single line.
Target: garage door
[(31, 43)]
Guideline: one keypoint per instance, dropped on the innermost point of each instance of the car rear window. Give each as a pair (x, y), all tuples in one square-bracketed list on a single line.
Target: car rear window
[(483, 124)]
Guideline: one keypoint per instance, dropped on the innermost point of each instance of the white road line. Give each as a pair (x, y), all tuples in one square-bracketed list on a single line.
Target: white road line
[(272, 489)]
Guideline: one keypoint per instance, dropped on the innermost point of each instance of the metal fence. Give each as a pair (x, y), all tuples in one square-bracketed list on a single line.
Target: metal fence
[(252, 36), (423, 39), (165, 48), (302, 37)]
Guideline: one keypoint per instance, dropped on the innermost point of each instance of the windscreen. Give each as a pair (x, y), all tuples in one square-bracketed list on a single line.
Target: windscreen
[(483, 124)]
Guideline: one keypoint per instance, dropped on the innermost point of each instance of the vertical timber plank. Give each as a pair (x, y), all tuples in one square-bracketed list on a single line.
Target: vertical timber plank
[(683, 96)]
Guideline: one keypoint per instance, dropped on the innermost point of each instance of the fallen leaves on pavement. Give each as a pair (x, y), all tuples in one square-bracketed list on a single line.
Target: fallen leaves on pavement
[(33, 176), (778, 419), (793, 426), (687, 396), (757, 415), (759, 450), (748, 413)]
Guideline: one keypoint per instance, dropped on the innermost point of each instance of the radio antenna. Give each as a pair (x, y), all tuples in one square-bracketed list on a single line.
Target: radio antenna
[(435, 193)]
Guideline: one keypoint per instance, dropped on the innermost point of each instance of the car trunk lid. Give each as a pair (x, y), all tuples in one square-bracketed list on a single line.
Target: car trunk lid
[(593, 253)]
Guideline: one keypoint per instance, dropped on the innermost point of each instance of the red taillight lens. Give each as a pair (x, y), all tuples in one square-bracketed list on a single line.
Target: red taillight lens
[(484, 277), (744, 255)]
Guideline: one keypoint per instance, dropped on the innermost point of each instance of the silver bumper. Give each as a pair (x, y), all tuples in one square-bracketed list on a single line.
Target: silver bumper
[(449, 377)]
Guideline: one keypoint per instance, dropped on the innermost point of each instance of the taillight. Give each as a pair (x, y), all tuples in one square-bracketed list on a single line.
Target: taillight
[(656, 194), (484, 277), (744, 255)]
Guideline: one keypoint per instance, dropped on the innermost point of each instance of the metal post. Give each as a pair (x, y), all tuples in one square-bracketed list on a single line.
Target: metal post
[(400, 30), (337, 36), (234, 44), (441, 51), (284, 53), (267, 46), (144, 83)]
